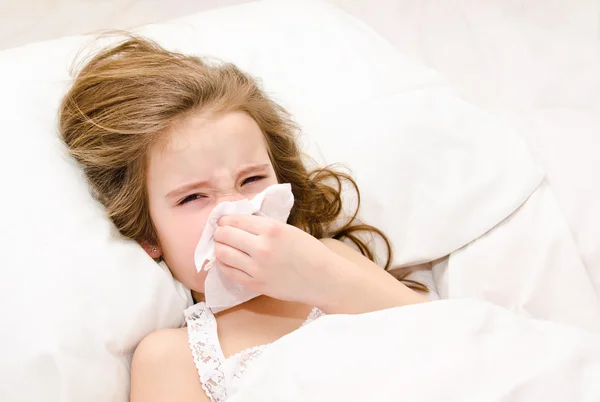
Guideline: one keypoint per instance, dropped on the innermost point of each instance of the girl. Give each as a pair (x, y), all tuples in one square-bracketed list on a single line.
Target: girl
[(162, 138)]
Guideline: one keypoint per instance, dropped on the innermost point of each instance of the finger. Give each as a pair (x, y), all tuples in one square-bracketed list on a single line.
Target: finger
[(233, 257), (257, 225), (237, 275), (236, 238)]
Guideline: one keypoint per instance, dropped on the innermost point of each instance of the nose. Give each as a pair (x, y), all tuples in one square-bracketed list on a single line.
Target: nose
[(231, 196)]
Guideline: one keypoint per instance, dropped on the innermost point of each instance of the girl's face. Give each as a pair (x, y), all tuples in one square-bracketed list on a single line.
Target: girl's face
[(207, 159)]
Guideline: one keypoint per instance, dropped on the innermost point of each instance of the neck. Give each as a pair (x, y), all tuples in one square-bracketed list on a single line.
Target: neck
[(264, 305), (274, 307)]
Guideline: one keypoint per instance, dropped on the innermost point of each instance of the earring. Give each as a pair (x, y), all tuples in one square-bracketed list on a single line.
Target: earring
[(154, 249)]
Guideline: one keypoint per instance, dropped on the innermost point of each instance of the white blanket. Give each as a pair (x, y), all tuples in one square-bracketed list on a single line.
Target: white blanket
[(460, 350), (528, 264)]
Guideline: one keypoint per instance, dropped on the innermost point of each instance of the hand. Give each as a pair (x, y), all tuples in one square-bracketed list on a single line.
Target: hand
[(277, 259)]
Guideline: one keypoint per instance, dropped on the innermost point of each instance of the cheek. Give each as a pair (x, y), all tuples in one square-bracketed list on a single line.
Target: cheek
[(179, 230)]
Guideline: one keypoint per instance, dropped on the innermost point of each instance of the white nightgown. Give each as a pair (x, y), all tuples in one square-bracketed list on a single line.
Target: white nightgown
[(219, 376)]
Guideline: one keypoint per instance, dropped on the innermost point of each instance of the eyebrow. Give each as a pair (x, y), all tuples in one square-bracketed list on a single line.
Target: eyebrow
[(257, 168), (186, 188)]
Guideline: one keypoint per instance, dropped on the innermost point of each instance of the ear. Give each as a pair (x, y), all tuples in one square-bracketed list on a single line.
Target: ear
[(153, 251)]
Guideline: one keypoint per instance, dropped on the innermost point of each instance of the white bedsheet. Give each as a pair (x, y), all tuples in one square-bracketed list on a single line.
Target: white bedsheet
[(533, 63), (528, 264), (460, 350)]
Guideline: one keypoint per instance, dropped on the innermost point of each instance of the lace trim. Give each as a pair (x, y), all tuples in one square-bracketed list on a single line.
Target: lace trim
[(206, 357), (209, 359), (245, 358), (241, 353), (314, 314)]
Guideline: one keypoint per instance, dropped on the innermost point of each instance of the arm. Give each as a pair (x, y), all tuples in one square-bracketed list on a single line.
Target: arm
[(364, 286), (163, 369)]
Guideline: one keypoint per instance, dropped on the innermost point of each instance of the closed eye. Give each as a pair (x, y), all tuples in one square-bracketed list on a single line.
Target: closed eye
[(252, 179), (190, 198)]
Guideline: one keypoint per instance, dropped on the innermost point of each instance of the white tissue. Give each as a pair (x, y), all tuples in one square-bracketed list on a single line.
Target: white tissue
[(220, 292)]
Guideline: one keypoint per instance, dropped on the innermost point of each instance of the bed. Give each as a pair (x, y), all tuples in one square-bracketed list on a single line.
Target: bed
[(480, 164)]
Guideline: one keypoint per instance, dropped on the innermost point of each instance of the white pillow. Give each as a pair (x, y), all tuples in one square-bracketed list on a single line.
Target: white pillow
[(76, 298), (435, 172)]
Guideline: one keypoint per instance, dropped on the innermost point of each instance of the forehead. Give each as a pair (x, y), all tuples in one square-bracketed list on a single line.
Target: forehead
[(208, 130), (202, 142)]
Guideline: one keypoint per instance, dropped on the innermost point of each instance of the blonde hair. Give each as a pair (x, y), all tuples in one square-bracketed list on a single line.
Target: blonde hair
[(125, 98)]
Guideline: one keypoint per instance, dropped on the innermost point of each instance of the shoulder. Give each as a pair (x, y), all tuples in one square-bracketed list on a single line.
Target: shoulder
[(165, 344), (163, 369)]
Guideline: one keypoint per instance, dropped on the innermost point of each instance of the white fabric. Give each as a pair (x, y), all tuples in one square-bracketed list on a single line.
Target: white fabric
[(565, 143), (528, 264), (220, 292), (220, 377), (458, 350), (434, 172), (75, 297), (532, 63)]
